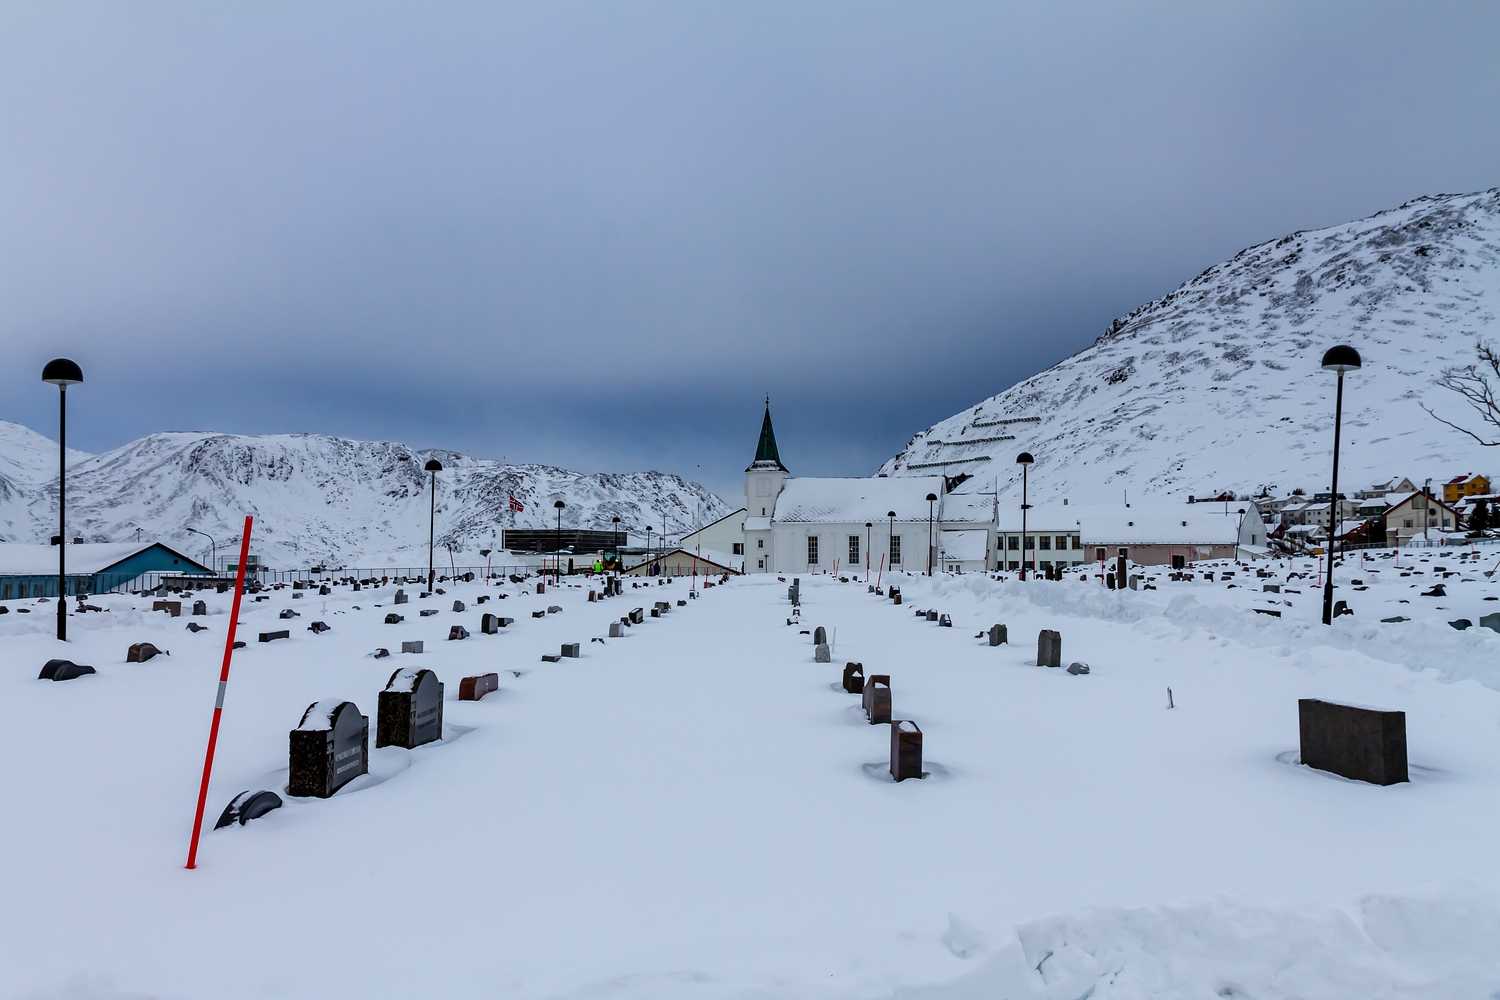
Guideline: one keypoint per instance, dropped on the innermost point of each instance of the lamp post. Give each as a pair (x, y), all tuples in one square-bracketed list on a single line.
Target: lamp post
[(890, 534), (867, 551), (213, 548), (1339, 359), (930, 498), (433, 466), (62, 373), (1024, 460), (557, 557), (1238, 534), (617, 540), (648, 548)]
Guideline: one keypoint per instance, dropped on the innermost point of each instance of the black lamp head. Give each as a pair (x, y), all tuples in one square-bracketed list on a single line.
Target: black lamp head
[(890, 513), (931, 497), (62, 373), (433, 465), (1341, 359), (1024, 458), (868, 524), (559, 504)]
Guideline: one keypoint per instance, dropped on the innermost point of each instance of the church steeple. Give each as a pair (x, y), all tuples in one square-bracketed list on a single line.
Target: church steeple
[(766, 455)]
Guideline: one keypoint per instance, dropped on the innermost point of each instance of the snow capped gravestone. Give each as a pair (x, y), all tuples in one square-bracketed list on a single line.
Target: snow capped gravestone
[(173, 608), (200, 608), (944, 621), (1364, 744), (141, 652), (489, 624), (906, 750), (318, 627), (427, 612), (63, 670), (475, 688), (794, 592), (854, 678), (328, 749), (410, 712), (247, 806), (932, 616), (401, 597), (999, 635), (876, 699), (458, 632), (1048, 648)]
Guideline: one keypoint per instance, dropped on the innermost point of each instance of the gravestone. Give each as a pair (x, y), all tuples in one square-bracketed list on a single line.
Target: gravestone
[(820, 653), (381, 653), (223, 588), (195, 627), (458, 606), (328, 749), (616, 630), (820, 636), (999, 635), (394, 619), (554, 609), (1341, 608), (551, 658), (489, 624), (1491, 622), (906, 750), (541, 588), (271, 636), (323, 591), (637, 615), (200, 607), (298, 597), (410, 711), (656, 612), (944, 621), (869, 588), (570, 650), (1109, 581), (854, 678), (539, 614), (141, 652), (932, 616), (63, 670), (682, 604), (482, 598), (412, 646), (1364, 744), (318, 627), (356, 585), (1078, 668), (457, 632), (247, 806), (474, 688), (401, 597), (288, 613), (427, 612), (897, 598), (1048, 648), (173, 608), (876, 698), (1135, 582), (795, 592)]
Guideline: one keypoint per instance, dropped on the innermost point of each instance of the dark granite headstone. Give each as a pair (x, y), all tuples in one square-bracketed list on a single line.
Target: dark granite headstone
[(489, 624), (906, 749), (820, 635), (410, 712), (458, 606), (1364, 744), (876, 699), (270, 636), (381, 653), (854, 678), (195, 627), (458, 632), (247, 806), (932, 615), (63, 670), (200, 607), (394, 619), (999, 635), (637, 615), (570, 650), (427, 612), (329, 749), (323, 591), (944, 621), (682, 604), (401, 597), (554, 609), (1491, 622), (482, 598), (541, 588), (1271, 588), (897, 598), (551, 658), (222, 588), (539, 614), (474, 688), (1049, 648), (288, 613), (318, 627), (141, 652)]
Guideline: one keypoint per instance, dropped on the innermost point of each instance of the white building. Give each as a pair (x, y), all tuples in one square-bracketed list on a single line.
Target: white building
[(795, 525)]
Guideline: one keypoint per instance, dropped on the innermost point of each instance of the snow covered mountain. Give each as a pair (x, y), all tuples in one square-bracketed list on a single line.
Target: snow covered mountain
[(1217, 386), (316, 498)]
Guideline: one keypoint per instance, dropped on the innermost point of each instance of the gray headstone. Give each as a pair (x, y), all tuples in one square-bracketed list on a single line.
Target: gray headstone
[(394, 619), (200, 607), (401, 597), (1078, 668), (570, 650), (426, 612), (1048, 648), (616, 630), (999, 635), (820, 653), (458, 606), (412, 646), (458, 632), (1364, 744), (1490, 622)]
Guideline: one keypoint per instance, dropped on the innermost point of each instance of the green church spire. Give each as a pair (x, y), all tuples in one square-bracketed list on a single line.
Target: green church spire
[(766, 455)]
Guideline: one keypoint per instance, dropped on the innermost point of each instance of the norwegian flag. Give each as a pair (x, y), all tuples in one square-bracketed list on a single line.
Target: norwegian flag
[(516, 505)]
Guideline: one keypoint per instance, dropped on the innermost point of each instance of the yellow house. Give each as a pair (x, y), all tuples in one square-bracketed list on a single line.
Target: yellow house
[(1459, 487)]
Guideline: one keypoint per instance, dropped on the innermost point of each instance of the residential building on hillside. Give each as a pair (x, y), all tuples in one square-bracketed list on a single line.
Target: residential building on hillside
[(1396, 484), (1459, 487), (1412, 515)]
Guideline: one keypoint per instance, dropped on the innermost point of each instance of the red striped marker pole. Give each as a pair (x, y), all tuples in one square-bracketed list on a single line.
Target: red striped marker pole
[(213, 732)]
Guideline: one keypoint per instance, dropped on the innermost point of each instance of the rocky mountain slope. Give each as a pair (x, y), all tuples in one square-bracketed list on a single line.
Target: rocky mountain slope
[(316, 498), (1217, 386)]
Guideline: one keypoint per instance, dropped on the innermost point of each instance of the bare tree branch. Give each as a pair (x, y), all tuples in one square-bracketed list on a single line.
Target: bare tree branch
[(1477, 388)]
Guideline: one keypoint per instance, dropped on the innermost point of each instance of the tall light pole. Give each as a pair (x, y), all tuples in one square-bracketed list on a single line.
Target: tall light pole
[(1024, 460), (433, 466), (62, 373), (930, 498), (618, 560), (557, 559), (648, 548), (890, 534), (213, 548), (1238, 534), (1338, 359), (867, 551)]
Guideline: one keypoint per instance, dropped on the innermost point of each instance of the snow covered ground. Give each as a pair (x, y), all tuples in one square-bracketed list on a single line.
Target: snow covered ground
[(696, 809)]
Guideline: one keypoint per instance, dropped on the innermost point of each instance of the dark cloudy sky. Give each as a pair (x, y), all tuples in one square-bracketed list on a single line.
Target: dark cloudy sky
[(596, 235)]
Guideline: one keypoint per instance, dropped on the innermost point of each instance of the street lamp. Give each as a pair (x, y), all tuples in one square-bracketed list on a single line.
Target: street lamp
[(930, 498), (213, 547), (890, 534), (557, 558), (617, 539), (648, 547), (1238, 534), (1024, 460), (867, 552), (1339, 359), (62, 373), (433, 466)]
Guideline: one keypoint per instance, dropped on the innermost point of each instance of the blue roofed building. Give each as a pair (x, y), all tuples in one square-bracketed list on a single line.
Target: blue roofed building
[(29, 571)]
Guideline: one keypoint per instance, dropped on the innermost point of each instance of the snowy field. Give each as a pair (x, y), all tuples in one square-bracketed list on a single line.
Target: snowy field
[(697, 810)]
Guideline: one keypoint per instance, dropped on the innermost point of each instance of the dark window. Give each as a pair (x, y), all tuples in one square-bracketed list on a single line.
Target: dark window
[(760, 543), (1014, 564), (1077, 542), (1062, 542), (1047, 542), (812, 550), (895, 549), (853, 549), (1031, 541), (739, 549), (1014, 543), (1100, 555)]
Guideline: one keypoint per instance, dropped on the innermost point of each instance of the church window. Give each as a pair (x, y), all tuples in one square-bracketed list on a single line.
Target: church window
[(760, 564), (762, 486), (1047, 542), (853, 549), (739, 548), (812, 550), (760, 543), (895, 549)]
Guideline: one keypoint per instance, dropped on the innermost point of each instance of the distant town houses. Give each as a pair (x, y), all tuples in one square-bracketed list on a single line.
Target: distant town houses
[(1460, 487), (1389, 513)]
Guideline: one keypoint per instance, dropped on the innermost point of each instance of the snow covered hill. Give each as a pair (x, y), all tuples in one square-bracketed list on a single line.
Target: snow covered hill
[(316, 498), (1217, 386)]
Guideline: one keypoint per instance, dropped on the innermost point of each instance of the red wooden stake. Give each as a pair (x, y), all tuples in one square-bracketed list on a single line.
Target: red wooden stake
[(213, 732)]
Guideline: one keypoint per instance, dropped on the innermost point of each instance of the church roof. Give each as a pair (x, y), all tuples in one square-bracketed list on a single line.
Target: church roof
[(853, 501), (766, 455)]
